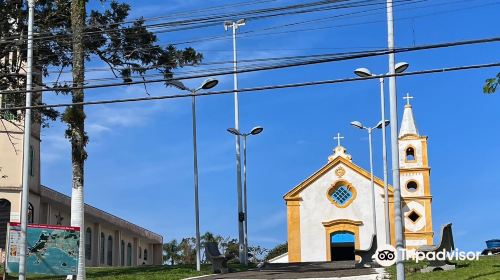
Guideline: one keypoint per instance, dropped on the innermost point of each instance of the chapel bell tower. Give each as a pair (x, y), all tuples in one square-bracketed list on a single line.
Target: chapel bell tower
[(415, 182)]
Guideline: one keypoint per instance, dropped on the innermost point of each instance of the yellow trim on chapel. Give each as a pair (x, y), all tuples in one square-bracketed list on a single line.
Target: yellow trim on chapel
[(293, 216), (294, 193)]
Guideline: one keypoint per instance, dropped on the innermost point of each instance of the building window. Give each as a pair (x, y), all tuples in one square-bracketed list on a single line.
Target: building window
[(412, 186), (145, 254), (122, 255), (129, 254), (341, 194), (103, 248), (32, 162), (31, 213), (410, 154), (110, 250), (88, 243)]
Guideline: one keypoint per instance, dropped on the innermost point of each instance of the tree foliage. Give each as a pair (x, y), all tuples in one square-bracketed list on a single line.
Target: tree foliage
[(276, 251), (172, 252), (491, 84), (184, 252), (128, 49)]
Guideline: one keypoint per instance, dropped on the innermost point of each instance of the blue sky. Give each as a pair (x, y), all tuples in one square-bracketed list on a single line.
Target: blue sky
[(140, 154)]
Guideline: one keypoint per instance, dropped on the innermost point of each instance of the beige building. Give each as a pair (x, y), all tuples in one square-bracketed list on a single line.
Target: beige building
[(330, 213), (109, 240)]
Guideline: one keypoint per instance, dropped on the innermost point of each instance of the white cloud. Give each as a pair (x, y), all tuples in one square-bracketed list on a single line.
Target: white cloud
[(271, 221), (54, 145), (95, 128)]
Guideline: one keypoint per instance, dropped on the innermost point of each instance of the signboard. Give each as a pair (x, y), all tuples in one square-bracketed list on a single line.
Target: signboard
[(51, 249)]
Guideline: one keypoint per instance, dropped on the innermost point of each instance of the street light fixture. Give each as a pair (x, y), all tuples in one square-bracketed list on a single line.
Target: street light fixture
[(207, 84), (364, 72), (234, 25), (256, 130), (359, 125)]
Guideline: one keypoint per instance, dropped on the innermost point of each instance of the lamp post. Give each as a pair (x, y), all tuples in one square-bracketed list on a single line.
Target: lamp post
[(207, 84), (364, 72), (256, 130), (235, 25), (26, 146), (370, 129)]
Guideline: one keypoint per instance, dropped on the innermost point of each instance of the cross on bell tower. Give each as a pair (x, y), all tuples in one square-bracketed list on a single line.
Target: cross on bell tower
[(408, 97)]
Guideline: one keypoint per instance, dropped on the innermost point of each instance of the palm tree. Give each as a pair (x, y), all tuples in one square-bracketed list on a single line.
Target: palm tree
[(188, 252), (171, 250)]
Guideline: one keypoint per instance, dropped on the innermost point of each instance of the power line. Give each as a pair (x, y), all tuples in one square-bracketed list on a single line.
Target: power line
[(278, 66), (211, 20), (314, 83), (254, 33), (156, 18)]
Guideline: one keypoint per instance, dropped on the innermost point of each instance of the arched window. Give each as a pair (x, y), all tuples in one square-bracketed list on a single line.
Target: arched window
[(410, 154), (103, 249), (140, 252), (129, 254), (31, 213), (145, 254), (88, 243), (110, 250), (412, 186), (122, 255)]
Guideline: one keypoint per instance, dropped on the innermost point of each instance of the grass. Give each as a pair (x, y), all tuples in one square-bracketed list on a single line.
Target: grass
[(486, 268), (141, 273)]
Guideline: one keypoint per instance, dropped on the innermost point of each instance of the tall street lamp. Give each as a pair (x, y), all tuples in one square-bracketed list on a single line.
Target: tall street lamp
[(370, 129), (207, 84), (234, 25), (364, 72), (256, 130)]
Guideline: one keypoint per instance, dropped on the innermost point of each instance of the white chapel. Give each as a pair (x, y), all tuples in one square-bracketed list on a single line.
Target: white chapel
[(329, 214)]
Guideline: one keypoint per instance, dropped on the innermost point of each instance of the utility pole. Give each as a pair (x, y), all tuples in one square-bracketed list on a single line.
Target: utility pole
[(398, 223), (27, 144), (241, 214)]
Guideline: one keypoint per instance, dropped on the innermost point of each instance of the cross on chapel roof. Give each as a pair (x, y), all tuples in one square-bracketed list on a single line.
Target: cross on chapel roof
[(338, 137)]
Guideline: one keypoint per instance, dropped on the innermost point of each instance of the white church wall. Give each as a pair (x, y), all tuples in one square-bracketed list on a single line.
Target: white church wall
[(316, 208)]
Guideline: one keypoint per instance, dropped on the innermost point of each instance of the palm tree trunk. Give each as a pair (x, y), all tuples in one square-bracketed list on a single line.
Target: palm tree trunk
[(76, 130)]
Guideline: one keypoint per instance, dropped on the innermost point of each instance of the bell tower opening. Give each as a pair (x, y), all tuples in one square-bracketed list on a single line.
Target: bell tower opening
[(410, 154)]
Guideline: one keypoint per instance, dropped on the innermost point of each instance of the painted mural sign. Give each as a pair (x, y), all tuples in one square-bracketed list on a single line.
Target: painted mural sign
[(52, 250)]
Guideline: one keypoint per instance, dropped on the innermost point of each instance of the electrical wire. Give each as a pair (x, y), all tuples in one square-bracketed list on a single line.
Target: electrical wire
[(264, 88), (273, 67)]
